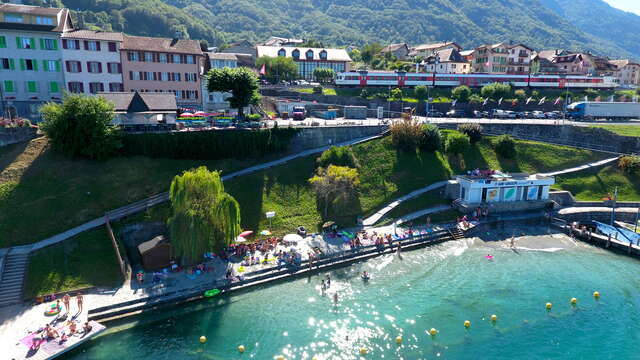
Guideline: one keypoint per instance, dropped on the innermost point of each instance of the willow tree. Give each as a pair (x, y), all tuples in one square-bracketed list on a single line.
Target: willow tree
[(204, 217)]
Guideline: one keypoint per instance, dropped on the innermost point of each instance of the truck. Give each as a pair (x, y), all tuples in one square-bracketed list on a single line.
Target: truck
[(592, 110), (298, 113)]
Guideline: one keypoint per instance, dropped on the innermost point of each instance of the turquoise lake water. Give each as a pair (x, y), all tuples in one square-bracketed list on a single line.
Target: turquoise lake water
[(437, 287)]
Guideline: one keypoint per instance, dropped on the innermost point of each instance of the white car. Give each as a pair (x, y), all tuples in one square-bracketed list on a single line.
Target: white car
[(538, 115)]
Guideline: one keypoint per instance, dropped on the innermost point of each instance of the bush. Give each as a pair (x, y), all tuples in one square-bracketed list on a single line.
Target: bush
[(431, 140), (406, 135), (317, 90), (505, 146), (473, 131), (81, 127), (496, 91), (457, 143), (461, 93), (209, 145), (339, 156), (364, 93), (475, 99), (520, 94), (629, 164), (254, 117), (396, 94)]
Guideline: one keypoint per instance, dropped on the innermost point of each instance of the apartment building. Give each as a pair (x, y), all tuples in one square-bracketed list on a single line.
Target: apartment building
[(628, 72), (519, 59), (425, 50), (30, 57), (91, 61), (216, 101), (502, 58), (163, 65), (447, 61)]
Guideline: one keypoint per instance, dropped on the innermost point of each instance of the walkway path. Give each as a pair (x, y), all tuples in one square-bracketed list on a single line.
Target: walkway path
[(417, 214), (371, 220), (582, 167)]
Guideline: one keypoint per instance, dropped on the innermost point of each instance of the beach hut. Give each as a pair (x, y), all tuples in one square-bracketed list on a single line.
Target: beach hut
[(155, 253)]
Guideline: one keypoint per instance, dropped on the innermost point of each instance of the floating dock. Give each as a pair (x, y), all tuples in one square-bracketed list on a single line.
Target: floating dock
[(50, 349)]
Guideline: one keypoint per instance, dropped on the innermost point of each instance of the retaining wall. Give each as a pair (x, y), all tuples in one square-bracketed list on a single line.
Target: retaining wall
[(10, 136), (315, 137)]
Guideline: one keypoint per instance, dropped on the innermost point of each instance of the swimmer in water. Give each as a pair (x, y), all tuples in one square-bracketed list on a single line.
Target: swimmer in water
[(365, 275), (328, 282), (335, 297), (513, 239)]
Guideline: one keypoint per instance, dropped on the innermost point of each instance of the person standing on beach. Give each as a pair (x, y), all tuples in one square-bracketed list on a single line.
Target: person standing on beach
[(79, 300), (66, 299)]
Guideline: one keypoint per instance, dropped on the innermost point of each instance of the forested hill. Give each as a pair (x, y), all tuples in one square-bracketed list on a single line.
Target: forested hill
[(570, 24)]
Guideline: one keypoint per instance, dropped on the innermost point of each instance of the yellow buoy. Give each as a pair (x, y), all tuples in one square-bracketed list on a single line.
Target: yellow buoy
[(398, 339), (574, 301), (467, 324), (241, 348), (280, 357), (203, 339), (433, 332), (548, 306), (494, 317), (596, 294), (314, 357), (363, 351)]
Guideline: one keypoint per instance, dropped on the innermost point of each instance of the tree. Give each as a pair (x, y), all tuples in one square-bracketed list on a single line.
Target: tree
[(338, 155), (204, 217), (364, 93), (496, 91), (505, 146), (355, 55), (396, 94), (335, 186), (369, 51), (81, 127), (278, 68), (421, 93), (520, 94), (461, 93), (241, 82), (457, 144), (324, 75), (406, 135)]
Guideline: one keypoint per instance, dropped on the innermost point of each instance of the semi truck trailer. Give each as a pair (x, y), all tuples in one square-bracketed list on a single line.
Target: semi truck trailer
[(592, 110)]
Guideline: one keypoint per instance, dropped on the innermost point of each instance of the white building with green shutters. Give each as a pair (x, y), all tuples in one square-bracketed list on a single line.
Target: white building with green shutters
[(31, 70)]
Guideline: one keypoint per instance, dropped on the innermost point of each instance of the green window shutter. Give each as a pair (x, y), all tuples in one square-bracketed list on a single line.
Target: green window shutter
[(58, 66), (12, 64), (3, 42), (42, 44), (23, 65), (33, 43), (8, 86), (54, 87), (31, 86), (35, 64), (44, 65), (55, 44), (18, 42)]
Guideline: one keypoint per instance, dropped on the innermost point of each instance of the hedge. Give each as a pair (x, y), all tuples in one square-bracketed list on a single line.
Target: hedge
[(209, 145)]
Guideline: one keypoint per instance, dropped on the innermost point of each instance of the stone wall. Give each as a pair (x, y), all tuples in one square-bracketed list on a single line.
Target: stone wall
[(314, 137), (580, 136), (15, 135)]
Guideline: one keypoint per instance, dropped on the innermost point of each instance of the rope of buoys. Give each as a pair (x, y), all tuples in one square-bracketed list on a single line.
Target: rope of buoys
[(203, 339), (467, 324), (241, 348)]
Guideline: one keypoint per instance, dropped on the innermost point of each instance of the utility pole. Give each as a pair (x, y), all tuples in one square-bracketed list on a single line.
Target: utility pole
[(613, 207)]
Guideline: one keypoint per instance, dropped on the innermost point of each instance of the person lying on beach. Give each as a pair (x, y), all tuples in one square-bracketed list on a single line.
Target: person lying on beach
[(51, 332), (72, 328), (37, 339), (86, 328)]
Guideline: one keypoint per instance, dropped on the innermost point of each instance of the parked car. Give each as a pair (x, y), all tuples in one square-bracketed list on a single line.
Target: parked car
[(520, 115), (455, 113), (527, 115), (502, 114), (298, 113), (480, 114), (550, 115), (435, 113), (538, 115)]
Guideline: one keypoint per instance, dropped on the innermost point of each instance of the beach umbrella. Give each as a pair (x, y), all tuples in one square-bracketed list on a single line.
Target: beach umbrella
[(292, 238), (200, 113), (265, 232), (186, 114), (240, 239), (246, 233)]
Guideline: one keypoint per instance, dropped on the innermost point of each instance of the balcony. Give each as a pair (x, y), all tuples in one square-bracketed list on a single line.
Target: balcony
[(523, 55)]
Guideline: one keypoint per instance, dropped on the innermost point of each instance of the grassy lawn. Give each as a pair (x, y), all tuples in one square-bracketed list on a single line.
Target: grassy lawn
[(84, 261), (625, 130), (596, 184), (385, 174), (325, 91), (43, 193)]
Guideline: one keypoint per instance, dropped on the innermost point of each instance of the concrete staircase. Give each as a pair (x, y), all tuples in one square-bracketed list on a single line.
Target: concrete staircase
[(13, 268)]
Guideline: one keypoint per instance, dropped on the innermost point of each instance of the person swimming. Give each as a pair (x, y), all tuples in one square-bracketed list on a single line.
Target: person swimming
[(335, 297), (328, 282), (365, 276), (489, 257)]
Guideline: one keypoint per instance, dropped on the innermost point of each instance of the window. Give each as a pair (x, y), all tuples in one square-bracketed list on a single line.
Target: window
[(190, 77), (94, 67), (164, 76), (73, 66), (76, 87), (134, 75), (32, 86), (25, 43), (54, 87), (114, 68), (28, 64), (176, 76), (51, 65), (92, 45), (282, 52), (116, 87), (163, 58), (43, 20), (323, 55), (7, 64), (309, 54), (191, 59), (112, 47), (96, 87), (70, 44), (9, 86), (148, 57), (295, 54), (13, 18), (176, 59), (133, 56), (48, 44), (3, 42)]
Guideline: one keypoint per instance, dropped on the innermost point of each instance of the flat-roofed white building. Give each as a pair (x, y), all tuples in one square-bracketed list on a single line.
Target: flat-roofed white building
[(308, 59)]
